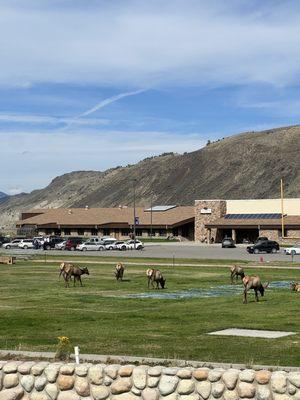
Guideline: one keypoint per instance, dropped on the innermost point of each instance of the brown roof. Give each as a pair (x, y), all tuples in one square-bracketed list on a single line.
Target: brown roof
[(105, 216), (289, 220)]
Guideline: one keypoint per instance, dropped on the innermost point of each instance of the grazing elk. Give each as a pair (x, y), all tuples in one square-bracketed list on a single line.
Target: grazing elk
[(154, 275), (64, 268), (76, 272), (295, 287), (68, 270), (253, 282), (119, 272), (236, 271)]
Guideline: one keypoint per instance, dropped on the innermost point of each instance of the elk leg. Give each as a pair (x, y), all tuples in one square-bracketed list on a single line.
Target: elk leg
[(80, 280), (256, 295), (65, 276), (245, 296)]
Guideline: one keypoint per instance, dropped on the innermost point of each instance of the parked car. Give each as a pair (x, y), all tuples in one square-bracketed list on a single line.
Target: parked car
[(95, 240), (115, 245), (39, 239), (261, 239), (267, 246), (4, 239), (104, 238), (293, 250), (13, 244), (228, 243), (61, 245), (91, 246), (72, 243), (107, 242), (50, 244), (26, 244), (129, 245)]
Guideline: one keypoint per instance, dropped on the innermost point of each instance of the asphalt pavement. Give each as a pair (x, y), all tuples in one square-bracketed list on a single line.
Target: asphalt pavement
[(170, 251)]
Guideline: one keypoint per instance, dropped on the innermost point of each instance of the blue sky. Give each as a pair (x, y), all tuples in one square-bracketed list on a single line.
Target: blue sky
[(92, 84)]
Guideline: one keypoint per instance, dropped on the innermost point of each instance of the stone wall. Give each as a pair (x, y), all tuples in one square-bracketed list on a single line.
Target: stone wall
[(218, 210), (58, 381), (271, 234), (291, 236)]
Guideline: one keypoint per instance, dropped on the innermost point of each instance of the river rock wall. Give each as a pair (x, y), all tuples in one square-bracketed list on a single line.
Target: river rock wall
[(58, 381)]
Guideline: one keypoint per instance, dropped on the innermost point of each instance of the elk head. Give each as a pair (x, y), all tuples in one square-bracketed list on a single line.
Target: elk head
[(162, 283), (85, 270)]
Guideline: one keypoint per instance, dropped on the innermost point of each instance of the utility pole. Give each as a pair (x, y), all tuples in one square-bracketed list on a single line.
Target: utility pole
[(134, 214), (151, 206), (282, 220)]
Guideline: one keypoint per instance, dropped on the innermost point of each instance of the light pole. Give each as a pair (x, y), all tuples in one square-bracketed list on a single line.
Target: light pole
[(134, 214), (151, 211)]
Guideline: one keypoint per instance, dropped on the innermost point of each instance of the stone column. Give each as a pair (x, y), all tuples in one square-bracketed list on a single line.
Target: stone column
[(233, 235), (207, 211)]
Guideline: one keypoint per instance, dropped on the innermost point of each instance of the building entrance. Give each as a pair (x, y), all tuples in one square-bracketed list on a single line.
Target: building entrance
[(246, 235)]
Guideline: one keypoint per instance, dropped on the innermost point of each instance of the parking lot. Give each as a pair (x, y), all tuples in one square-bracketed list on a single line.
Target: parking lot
[(173, 250)]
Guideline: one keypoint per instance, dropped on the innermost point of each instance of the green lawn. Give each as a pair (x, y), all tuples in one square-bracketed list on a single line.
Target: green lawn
[(36, 308)]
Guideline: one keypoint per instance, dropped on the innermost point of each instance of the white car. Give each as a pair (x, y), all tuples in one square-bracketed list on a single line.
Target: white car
[(91, 246), (129, 245), (114, 245), (13, 244), (26, 244), (40, 239), (61, 245), (293, 250)]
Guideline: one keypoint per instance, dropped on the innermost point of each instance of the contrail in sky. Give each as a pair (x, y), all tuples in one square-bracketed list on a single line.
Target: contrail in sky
[(104, 103)]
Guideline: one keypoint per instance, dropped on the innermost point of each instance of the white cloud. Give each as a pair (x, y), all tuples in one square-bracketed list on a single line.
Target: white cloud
[(49, 120), (39, 157), (14, 190), (149, 44)]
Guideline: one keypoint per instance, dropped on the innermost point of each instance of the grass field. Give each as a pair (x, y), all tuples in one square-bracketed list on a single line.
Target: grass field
[(36, 308)]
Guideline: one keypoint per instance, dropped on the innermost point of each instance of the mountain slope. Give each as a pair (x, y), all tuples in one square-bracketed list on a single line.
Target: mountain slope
[(3, 196), (248, 165)]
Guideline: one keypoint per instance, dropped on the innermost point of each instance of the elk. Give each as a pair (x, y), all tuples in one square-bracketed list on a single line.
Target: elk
[(77, 272), (154, 275), (68, 270), (253, 282), (64, 268), (295, 287), (236, 271), (119, 272)]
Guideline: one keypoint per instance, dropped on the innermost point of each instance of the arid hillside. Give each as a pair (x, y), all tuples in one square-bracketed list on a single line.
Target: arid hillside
[(247, 165)]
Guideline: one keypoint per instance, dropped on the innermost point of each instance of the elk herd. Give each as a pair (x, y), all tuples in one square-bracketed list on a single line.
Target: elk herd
[(68, 270), (156, 279)]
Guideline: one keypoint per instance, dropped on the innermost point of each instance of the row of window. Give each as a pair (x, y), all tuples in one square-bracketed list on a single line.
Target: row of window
[(106, 232)]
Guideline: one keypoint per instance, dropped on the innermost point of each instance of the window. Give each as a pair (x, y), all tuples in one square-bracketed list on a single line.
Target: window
[(94, 232), (48, 231), (67, 232), (106, 232), (284, 233), (80, 231), (162, 232), (139, 232), (124, 232)]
